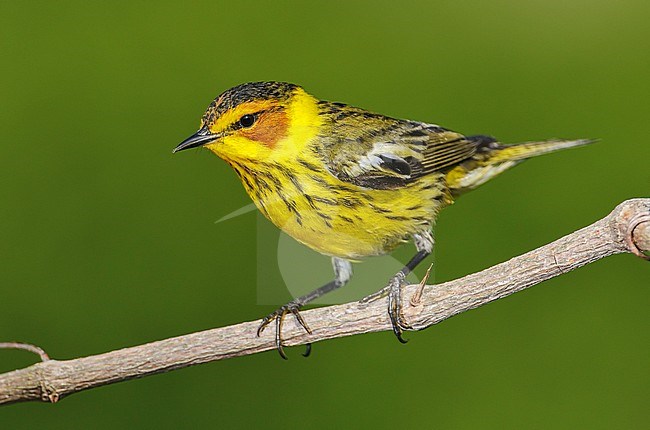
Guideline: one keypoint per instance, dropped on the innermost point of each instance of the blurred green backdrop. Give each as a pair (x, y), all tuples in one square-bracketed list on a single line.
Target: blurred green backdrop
[(107, 240)]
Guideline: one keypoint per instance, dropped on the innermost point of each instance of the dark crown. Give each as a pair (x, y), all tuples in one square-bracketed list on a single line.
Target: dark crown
[(243, 93)]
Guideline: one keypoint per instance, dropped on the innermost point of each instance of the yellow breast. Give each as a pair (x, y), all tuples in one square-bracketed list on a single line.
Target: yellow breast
[(340, 219)]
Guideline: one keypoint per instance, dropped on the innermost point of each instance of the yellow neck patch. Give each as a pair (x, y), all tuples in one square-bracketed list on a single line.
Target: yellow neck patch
[(304, 123)]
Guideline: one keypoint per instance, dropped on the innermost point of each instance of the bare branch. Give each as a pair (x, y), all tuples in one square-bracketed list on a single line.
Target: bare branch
[(27, 347), (626, 229)]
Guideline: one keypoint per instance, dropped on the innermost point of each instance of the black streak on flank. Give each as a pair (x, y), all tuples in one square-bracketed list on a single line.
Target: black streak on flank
[(261, 183), (276, 182), (292, 177), (346, 189), (247, 183), (350, 203), (308, 165), (326, 219), (262, 207), (397, 217), (310, 201), (325, 200), (290, 205), (318, 180), (324, 216), (378, 209)]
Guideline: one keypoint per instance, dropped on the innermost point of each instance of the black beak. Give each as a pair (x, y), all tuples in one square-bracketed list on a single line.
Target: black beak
[(200, 138)]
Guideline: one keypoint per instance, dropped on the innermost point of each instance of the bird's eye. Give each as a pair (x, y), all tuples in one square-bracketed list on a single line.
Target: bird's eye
[(247, 120)]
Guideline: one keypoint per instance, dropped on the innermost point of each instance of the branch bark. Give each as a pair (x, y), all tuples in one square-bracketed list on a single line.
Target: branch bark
[(625, 229)]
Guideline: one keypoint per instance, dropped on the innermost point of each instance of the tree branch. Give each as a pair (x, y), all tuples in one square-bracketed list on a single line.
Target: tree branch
[(626, 229)]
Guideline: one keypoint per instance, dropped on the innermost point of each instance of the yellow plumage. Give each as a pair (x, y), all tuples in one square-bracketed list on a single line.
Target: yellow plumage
[(344, 181)]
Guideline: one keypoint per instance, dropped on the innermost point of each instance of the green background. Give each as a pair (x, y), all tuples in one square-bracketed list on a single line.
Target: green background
[(107, 240)]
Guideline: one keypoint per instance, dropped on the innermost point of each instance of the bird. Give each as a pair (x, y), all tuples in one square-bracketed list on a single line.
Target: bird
[(347, 182)]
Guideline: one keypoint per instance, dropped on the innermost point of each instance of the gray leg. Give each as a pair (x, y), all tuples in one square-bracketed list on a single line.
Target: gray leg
[(342, 274), (424, 246)]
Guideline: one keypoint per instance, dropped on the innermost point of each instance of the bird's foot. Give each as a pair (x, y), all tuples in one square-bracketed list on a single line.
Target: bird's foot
[(394, 288), (278, 315), (394, 292)]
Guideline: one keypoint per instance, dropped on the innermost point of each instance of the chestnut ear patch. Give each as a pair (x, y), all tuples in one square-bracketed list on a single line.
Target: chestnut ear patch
[(269, 128)]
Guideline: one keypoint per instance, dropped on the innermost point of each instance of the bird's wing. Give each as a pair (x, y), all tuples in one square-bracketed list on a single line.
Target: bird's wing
[(375, 151)]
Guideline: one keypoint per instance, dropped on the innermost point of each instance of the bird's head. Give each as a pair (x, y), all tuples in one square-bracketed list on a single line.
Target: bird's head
[(257, 121)]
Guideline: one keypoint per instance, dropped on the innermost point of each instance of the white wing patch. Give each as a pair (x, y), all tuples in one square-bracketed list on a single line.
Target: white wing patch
[(373, 159)]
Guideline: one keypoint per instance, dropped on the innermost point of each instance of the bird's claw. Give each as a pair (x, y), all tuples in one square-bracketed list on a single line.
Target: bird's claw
[(394, 288), (278, 315)]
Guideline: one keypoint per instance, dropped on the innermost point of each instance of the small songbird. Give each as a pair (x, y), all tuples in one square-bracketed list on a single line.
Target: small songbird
[(346, 182)]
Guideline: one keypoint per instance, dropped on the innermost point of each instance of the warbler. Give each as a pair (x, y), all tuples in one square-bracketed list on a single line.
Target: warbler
[(347, 182)]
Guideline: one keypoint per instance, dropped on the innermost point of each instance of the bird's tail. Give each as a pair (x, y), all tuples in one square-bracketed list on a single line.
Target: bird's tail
[(492, 158), (499, 153)]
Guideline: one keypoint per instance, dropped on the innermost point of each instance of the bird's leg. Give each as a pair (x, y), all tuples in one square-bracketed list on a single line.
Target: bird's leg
[(342, 272), (424, 245), (395, 295)]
